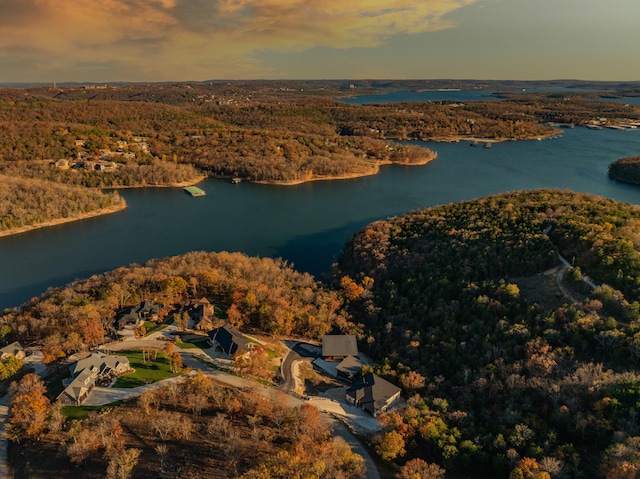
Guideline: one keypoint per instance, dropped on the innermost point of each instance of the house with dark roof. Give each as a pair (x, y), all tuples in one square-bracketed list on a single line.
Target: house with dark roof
[(87, 371), (349, 367), (149, 311), (134, 316), (229, 340), (339, 346), (201, 312), (130, 319), (373, 394)]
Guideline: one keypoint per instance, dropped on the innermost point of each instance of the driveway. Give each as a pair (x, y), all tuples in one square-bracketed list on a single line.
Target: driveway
[(339, 429), (194, 358)]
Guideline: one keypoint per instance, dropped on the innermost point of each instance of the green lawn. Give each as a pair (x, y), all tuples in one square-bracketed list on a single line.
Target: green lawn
[(144, 373), (82, 412), (152, 327), (202, 344)]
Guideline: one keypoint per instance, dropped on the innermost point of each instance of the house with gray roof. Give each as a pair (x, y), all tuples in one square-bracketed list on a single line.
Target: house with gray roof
[(339, 346), (86, 372), (14, 349), (373, 394), (349, 367), (134, 316)]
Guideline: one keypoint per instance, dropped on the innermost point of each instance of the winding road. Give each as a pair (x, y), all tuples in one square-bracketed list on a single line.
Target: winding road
[(194, 358), (198, 359)]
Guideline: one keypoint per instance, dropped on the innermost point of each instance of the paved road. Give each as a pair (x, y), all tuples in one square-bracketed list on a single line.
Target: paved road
[(193, 358), (339, 429), (286, 369)]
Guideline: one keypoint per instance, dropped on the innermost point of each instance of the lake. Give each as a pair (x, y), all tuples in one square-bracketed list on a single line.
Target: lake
[(305, 224), (464, 95)]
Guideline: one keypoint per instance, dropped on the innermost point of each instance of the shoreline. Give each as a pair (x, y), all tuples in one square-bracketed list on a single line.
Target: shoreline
[(182, 184), (59, 221), (346, 176), (458, 139)]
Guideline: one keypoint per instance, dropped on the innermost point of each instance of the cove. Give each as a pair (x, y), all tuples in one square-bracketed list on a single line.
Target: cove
[(306, 224)]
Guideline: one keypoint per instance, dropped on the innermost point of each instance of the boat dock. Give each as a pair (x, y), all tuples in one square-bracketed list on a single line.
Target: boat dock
[(194, 191)]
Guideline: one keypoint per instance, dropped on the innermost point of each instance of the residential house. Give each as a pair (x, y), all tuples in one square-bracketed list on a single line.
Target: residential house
[(130, 319), (105, 166), (202, 314), (373, 394), (149, 311), (86, 372), (134, 316), (349, 367), (61, 164), (339, 346), (229, 340), (14, 349)]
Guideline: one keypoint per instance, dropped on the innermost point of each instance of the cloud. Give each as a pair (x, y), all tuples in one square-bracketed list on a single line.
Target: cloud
[(168, 39)]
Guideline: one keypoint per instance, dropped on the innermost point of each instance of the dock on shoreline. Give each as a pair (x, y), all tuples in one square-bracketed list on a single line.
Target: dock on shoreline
[(194, 191)]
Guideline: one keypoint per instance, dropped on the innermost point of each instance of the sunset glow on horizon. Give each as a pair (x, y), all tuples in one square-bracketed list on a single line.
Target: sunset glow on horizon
[(181, 40)]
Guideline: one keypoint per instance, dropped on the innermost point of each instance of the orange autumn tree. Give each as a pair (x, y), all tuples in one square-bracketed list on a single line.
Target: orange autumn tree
[(29, 410), (528, 468), (351, 289)]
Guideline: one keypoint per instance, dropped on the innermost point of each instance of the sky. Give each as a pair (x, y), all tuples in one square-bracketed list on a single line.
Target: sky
[(197, 40)]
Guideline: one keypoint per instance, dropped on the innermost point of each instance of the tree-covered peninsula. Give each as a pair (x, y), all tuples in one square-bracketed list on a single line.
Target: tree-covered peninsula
[(515, 365), (29, 203), (117, 136), (264, 294), (248, 431), (626, 169)]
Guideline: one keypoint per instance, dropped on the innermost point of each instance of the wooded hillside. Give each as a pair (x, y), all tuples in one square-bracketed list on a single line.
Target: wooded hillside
[(193, 429), (260, 294), (27, 202), (508, 377)]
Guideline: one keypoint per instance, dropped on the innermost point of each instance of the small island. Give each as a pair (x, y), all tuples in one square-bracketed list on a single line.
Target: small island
[(626, 170)]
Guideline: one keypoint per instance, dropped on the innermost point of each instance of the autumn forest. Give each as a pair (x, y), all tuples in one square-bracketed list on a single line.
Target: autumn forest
[(511, 322)]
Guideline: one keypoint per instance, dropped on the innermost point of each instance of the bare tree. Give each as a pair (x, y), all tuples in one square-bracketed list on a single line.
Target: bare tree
[(219, 426), (162, 450), (231, 449), (166, 424)]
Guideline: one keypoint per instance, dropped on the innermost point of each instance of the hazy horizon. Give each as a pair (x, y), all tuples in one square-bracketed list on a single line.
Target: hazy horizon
[(136, 41)]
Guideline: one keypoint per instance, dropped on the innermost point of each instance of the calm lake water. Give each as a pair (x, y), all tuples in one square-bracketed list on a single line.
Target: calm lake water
[(424, 95), (453, 95), (305, 224)]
